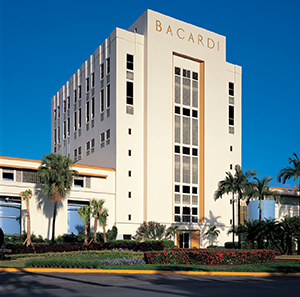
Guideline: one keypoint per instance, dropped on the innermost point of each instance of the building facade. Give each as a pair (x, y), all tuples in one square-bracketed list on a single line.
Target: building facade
[(159, 104)]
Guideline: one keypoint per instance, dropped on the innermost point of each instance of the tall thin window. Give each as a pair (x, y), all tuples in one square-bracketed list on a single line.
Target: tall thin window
[(92, 80), (129, 93), (68, 124), (231, 89), (231, 115), (58, 112), (75, 121), (129, 62), (68, 102), (75, 96), (64, 129), (65, 106), (87, 111), (108, 66), (102, 100), (87, 84), (108, 96), (101, 71), (92, 107), (79, 92), (58, 134), (55, 136), (79, 118)]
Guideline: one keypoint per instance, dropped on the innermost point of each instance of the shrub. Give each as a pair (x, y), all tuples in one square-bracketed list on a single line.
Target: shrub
[(208, 256)]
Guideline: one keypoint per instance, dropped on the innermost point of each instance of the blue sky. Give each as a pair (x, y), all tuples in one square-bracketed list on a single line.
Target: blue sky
[(42, 43)]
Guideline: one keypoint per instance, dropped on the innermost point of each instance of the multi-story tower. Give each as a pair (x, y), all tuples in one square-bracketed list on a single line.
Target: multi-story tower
[(159, 104)]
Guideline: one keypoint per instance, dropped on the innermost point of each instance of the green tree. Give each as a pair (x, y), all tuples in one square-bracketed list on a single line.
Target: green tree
[(103, 222), (56, 178), (236, 184), (213, 233), (26, 195), (290, 171), (150, 231), (85, 213), (96, 210)]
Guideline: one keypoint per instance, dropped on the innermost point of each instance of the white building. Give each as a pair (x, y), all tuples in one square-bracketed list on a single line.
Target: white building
[(159, 104)]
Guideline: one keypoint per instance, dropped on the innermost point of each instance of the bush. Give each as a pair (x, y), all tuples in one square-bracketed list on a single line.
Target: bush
[(209, 256)]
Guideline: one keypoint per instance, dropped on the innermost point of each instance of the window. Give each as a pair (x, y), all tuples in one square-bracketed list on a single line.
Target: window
[(186, 73), (55, 136), (87, 111), (10, 214), (93, 108), (108, 66), (186, 112), (87, 148), (231, 115), (186, 150), (186, 189), (75, 96), (92, 80), (58, 112), (129, 153), (64, 129), (177, 109), (177, 210), (129, 62), (108, 96), (231, 89), (79, 152), (195, 75), (65, 106), (58, 134), (78, 182), (75, 121), (79, 118), (87, 84), (101, 71), (129, 217), (8, 176), (129, 131), (127, 236), (177, 188), (231, 148), (230, 166), (129, 194), (102, 139), (194, 190), (75, 225), (68, 102), (129, 173), (75, 154), (92, 145), (177, 149), (129, 93), (79, 92), (195, 114), (177, 71), (107, 136), (101, 101), (195, 152)]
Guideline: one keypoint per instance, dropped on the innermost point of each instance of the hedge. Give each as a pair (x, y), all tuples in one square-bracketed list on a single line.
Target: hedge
[(208, 256), (158, 245)]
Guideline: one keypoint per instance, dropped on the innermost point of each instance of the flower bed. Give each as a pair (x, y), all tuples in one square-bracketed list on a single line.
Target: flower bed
[(209, 256)]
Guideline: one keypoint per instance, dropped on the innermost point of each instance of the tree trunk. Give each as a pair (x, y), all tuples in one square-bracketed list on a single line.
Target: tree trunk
[(104, 234), (28, 225), (260, 239), (239, 221), (233, 224), (95, 228), (85, 236), (53, 223)]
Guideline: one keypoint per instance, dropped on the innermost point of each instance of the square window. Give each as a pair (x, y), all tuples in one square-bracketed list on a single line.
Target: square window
[(195, 75), (177, 70), (8, 176), (194, 211), (177, 109), (177, 149), (177, 210), (195, 190), (177, 188), (78, 183), (186, 112), (186, 150), (195, 114), (186, 210), (186, 189), (195, 152)]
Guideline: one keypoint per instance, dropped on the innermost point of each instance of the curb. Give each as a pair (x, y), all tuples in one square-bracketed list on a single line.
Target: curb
[(82, 270)]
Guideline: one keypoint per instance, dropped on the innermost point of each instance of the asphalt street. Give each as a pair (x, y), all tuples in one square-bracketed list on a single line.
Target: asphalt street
[(94, 284)]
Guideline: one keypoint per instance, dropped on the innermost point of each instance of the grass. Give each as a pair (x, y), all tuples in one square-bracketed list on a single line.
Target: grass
[(19, 261)]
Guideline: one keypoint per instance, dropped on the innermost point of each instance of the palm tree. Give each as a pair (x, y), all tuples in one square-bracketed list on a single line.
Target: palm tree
[(96, 210), (56, 178), (237, 184), (227, 186), (103, 222), (85, 213), (212, 232), (26, 195), (288, 172)]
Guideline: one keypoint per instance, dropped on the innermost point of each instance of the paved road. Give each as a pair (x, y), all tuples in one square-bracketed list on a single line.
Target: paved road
[(88, 284)]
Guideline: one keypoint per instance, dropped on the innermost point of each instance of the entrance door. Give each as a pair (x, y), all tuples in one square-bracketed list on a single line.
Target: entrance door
[(184, 240)]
